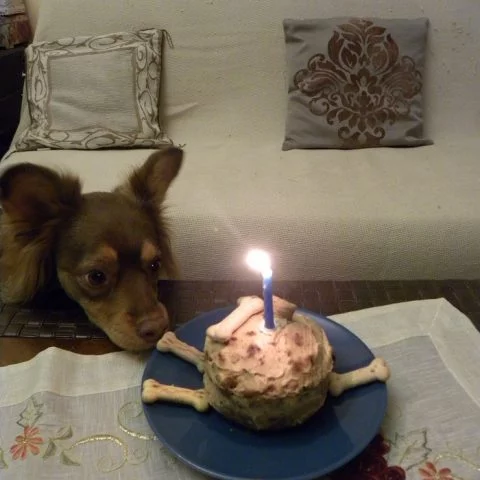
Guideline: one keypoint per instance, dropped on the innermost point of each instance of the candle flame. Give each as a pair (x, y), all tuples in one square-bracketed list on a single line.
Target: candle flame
[(259, 260)]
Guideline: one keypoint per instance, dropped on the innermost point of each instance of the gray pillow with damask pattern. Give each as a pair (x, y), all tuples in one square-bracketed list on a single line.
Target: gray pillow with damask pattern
[(94, 92), (355, 82)]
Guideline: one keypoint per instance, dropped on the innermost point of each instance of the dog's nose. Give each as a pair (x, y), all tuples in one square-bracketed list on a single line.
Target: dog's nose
[(150, 329)]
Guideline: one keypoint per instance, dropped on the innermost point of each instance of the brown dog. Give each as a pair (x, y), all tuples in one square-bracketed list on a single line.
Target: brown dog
[(107, 249)]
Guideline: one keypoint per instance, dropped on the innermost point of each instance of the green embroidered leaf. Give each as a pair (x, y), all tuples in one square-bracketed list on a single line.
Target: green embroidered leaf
[(409, 450), (66, 460), (31, 413), (50, 450), (64, 433), (3, 463)]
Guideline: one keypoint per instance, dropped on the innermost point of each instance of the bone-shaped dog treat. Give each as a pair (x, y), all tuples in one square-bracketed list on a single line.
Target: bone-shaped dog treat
[(377, 370), (154, 391), (170, 343), (247, 306), (283, 309)]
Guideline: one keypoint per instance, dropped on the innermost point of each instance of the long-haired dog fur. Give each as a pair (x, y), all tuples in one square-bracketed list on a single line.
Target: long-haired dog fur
[(106, 249)]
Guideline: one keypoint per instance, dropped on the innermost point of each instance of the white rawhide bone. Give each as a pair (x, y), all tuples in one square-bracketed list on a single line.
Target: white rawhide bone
[(154, 391), (377, 370), (170, 343), (247, 307)]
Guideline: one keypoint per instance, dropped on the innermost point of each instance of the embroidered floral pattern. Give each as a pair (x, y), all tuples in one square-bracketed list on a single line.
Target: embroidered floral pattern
[(28, 442), (410, 449), (362, 85), (402, 456), (58, 441), (429, 472)]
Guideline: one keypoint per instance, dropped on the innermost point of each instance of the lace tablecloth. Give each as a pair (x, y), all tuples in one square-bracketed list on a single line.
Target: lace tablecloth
[(64, 415)]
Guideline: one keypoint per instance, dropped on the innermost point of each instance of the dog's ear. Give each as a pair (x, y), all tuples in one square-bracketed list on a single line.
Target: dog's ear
[(35, 201), (149, 183)]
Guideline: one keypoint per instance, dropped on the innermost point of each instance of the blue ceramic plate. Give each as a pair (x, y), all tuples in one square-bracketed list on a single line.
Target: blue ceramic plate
[(337, 433)]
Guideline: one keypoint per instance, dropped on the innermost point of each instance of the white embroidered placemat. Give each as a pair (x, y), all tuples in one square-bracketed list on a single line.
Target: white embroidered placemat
[(64, 415)]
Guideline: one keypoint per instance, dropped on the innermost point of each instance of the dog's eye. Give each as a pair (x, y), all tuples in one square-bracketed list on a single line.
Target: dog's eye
[(96, 278), (155, 264)]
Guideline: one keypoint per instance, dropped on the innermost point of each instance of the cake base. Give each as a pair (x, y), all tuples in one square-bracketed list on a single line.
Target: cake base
[(267, 413), (269, 381)]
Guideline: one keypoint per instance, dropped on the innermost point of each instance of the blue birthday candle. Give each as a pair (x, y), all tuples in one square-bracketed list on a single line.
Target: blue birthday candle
[(259, 260), (268, 300)]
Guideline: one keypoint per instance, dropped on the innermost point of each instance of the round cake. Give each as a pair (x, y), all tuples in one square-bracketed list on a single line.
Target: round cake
[(269, 380)]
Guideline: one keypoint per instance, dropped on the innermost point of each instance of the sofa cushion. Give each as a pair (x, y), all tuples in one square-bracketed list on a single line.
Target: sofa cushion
[(355, 82), (359, 214), (90, 92)]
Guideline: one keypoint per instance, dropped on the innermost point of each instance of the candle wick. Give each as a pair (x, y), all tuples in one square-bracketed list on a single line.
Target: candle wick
[(267, 273)]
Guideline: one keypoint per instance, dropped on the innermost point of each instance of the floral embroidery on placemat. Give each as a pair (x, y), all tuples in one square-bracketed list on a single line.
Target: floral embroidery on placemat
[(408, 457), (401, 457), (28, 442), (430, 472), (46, 441), (410, 450), (362, 85), (449, 466)]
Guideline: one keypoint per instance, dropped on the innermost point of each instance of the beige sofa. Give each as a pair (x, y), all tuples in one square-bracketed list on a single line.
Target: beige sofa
[(378, 213)]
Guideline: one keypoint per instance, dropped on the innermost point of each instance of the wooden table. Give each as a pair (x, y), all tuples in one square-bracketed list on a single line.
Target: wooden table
[(185, 300)]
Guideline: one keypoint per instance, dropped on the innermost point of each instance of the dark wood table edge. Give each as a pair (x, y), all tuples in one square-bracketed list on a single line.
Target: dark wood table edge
[(187, 299)]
